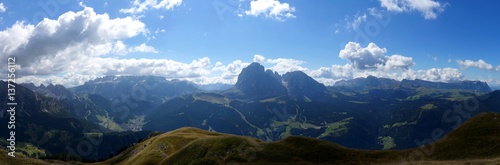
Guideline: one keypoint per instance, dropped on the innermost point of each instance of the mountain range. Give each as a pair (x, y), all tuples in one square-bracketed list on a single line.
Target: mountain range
[(364, 113), (263, 109)]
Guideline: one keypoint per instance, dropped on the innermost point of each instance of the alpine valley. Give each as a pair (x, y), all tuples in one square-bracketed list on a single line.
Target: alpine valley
[(264, 118)]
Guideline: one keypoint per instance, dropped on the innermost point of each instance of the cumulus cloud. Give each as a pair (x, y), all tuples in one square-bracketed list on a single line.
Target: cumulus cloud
[(139, 6), (2, 8), (441, 74), (53, 46), (397, 62), (120, 48), (331, 75), (334, 72), (363, 58), (14, 37), (428, 8), (498, 68), (259, 58), (478, 64), (373, 57), (143, 48), (159, 67), (271, 8), (371, 60), (228, 73), (284, 65)]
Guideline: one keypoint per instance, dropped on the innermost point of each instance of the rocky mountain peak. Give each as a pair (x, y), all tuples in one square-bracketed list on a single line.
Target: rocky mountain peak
[(255, 82), (300, 84)]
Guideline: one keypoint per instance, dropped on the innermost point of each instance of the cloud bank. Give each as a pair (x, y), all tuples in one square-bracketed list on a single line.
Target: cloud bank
[(477, 64)]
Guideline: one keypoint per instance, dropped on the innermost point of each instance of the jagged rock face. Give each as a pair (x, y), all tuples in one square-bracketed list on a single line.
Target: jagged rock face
[(255, 82), (54, 91), (299, 84)]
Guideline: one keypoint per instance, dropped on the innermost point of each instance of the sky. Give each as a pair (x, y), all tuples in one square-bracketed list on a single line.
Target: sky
[(211, 41)]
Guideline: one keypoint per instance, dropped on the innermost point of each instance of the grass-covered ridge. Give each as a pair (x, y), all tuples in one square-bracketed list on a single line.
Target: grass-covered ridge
[(477, 141)]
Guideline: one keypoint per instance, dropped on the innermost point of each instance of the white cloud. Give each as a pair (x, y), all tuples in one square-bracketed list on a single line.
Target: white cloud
[(373, 57), (433, 74), (369, 15), (259, 58), (375, 12), (2, 8), (371, 60), (397, 62), (498, 68), (159, 67), (53, 46), (284, 65), (139, 6), (478, 64), (363, 58), (358, 19), (331, 75), (14, 37), (440, 74), (228, 73), (120, 48), (335, 72), (271, 8), (428, 8), (68, 80), (143, 48)]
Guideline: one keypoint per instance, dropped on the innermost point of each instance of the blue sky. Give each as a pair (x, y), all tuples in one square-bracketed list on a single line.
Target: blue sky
[(210, 41)]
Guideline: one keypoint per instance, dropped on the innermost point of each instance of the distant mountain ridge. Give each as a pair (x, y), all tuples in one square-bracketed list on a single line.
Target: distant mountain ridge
[(152, 86), (300, 84), (371, 82), (55, 91)]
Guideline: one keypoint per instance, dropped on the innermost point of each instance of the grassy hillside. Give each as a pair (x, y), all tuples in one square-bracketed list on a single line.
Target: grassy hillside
[(22, 160), (479, 137), (475, 142)]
